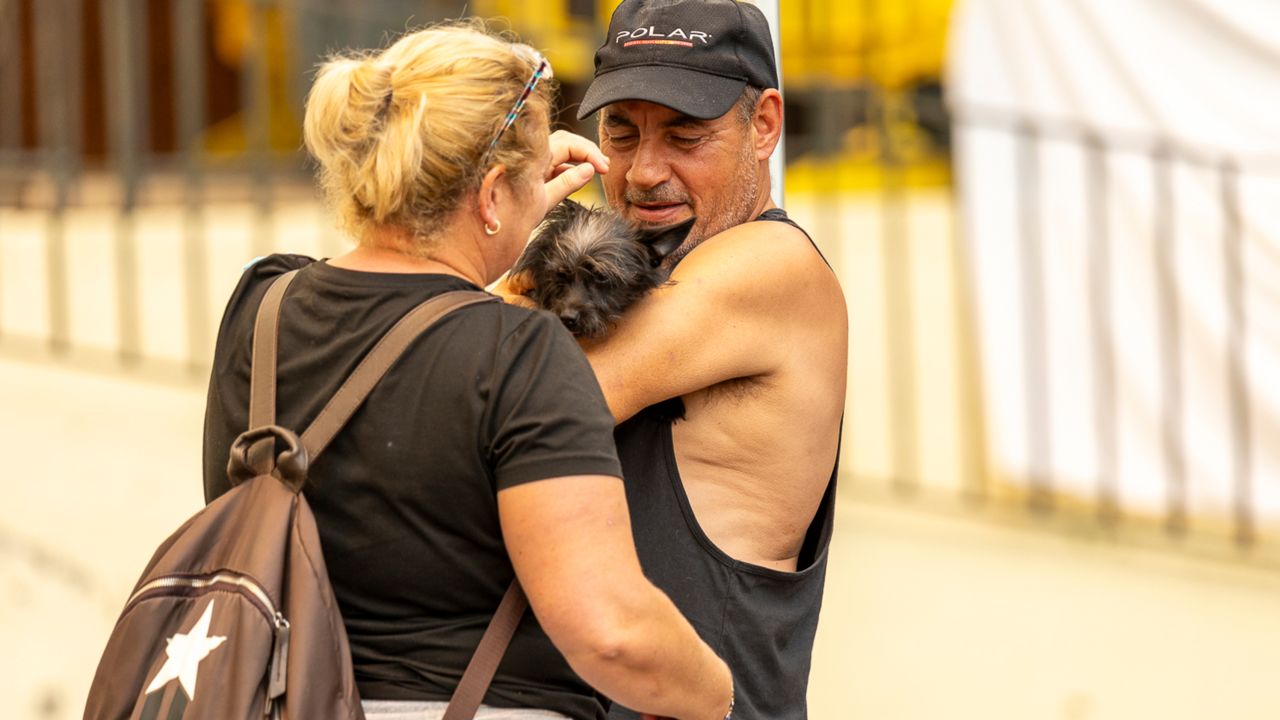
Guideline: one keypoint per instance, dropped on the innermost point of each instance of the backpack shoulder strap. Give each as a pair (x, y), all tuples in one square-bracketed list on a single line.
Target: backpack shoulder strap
[(484, 663), (262, 373), (266, 334), (357, 387), (262, 409)]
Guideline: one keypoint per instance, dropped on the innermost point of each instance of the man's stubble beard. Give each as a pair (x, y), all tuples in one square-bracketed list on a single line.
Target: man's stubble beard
[(743, 194)]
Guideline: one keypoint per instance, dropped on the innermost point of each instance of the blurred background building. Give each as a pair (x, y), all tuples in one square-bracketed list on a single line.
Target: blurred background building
[(1054, 220)]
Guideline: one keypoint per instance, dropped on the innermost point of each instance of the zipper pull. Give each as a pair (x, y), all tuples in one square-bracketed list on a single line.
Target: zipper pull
[(279, 671)]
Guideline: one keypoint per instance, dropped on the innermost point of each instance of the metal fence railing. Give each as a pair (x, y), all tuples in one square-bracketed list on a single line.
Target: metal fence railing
[(181, 103), (121, 107)]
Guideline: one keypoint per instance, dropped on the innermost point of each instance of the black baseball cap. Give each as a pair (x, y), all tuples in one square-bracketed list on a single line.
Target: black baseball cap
[(693, 56)]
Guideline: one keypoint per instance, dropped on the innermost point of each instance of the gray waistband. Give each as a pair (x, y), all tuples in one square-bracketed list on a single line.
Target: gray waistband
[(412, 710)]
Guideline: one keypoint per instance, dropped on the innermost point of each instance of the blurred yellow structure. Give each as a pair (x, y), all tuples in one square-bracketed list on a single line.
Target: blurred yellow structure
[(891, 44), (883, 50), (568, 38)]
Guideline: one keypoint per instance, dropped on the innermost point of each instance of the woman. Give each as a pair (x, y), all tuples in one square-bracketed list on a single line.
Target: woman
[(488, 448)]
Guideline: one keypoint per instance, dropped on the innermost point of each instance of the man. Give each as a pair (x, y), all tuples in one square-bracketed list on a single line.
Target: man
[(729, 383)]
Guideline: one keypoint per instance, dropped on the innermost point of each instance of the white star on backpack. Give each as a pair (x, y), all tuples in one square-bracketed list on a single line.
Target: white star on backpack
[(185, 651)]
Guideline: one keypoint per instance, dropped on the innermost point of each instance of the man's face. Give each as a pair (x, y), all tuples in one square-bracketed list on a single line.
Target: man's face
[(665, 167)]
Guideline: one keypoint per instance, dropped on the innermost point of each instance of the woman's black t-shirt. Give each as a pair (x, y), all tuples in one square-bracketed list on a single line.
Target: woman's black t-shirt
[(406, 496)]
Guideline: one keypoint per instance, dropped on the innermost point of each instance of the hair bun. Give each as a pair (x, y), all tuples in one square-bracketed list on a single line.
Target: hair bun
[(399, 134)]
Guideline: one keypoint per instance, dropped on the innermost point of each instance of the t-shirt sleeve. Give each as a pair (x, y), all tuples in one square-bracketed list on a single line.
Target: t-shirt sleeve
[(548, 416)]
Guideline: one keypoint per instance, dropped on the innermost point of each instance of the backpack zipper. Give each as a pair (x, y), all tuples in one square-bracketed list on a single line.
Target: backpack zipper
[(278, 671), (200, 582)]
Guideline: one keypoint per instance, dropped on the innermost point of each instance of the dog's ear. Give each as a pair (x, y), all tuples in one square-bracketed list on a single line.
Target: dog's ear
[(573, 206), (560, 217), (566, 211), (519, 282), (664, 241)]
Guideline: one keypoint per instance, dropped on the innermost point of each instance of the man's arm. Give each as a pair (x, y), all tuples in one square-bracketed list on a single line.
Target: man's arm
[(619, 632), (731, 300)]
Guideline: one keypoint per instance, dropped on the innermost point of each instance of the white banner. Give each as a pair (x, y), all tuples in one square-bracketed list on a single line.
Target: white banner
[(1118, 163)]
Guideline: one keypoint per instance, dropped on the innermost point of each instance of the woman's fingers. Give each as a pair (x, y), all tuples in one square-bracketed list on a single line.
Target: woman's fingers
[(568, 182), (568, 148), (574, 161)]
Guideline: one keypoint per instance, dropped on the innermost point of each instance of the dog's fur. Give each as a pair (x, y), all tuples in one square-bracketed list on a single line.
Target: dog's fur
[(587, 266)]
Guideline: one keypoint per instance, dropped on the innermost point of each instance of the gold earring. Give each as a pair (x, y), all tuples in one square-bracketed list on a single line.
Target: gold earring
[(493, 230)]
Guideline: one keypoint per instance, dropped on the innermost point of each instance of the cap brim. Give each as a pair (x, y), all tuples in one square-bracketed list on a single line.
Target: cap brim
[(693, 93)]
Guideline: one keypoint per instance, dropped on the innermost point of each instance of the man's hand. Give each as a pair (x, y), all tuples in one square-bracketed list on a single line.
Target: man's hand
[(574, 161)]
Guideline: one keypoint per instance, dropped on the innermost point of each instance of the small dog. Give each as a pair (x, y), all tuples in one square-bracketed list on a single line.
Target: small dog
[(587, 266)]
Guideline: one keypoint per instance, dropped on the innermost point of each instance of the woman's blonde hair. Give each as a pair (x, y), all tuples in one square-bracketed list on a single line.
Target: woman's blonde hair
[(400, 134)]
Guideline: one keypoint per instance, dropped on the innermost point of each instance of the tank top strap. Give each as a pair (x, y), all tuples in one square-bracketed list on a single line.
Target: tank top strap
[(780, 215)]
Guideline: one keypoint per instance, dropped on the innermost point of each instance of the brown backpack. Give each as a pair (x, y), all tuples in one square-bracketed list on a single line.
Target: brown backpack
[(234, 616)]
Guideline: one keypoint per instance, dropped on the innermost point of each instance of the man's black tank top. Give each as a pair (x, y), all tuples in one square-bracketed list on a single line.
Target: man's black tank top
[(761, 621)]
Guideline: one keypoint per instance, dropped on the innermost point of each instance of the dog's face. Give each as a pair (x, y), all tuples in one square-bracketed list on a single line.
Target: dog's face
[(587, 266)]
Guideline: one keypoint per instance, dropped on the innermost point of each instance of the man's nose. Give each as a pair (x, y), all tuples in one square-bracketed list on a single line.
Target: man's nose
[(648, 167)]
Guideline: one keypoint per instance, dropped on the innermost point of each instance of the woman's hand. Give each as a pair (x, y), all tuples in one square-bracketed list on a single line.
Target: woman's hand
[(574, 161)]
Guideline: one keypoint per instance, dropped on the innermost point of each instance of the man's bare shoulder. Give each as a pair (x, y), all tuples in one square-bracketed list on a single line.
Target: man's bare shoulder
[(720, 319), (760, 266)]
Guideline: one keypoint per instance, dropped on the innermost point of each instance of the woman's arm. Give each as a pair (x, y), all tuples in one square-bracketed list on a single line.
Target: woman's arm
[(570, 542)]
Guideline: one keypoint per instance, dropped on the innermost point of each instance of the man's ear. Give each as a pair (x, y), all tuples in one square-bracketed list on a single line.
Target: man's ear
[(767, 123), (664, 241)]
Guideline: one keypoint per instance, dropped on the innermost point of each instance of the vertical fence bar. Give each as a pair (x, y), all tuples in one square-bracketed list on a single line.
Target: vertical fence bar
[(821, 138), (53, 107), (256, 116), (1165, 261), (318, 30), (189, 83), (970, 416), (11, 120), (895, 242), (1101, 331), (71, 54), (365, 26), (898, 317), (10, 75), (1237, 364), (124, 55), (1034, 322)]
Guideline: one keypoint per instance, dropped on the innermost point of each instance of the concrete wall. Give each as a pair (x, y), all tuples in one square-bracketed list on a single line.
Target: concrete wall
[(926, 616)]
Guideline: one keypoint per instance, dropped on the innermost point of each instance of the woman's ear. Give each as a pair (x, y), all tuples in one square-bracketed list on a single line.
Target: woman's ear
[(487, 197)]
